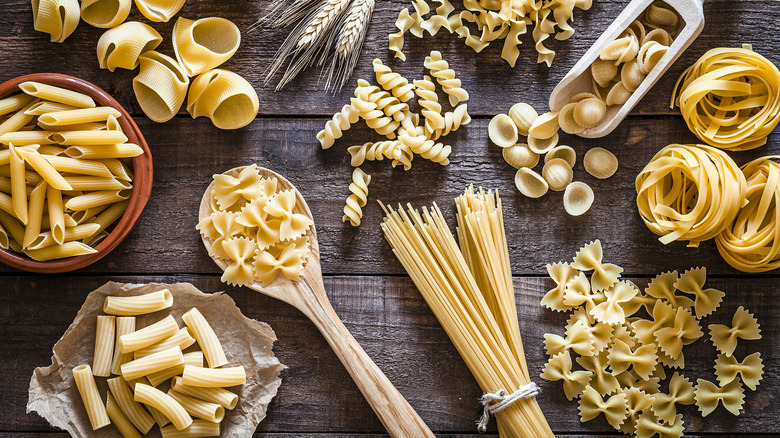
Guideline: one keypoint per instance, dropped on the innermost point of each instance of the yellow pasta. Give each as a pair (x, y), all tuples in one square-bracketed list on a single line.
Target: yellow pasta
[(104, 345), (23, 138), (160, 87), (65, 250), (224, 97), (121, 46), (359, 188), (181, 339), (220, 396), (198, 408), (198, 428), (134, 412), (18, 185), (78, 116), (335, 127), (93, 183), (151, 364), (44, 169), (124, 325), (743, 326), (96, 152), (148, 335), (119, 419), (58, 18), (96, 410), (89, 138), (206, 338), (57, 94), (16, 102), (159, 10), (108, 217), (708, 395), (161, 401), (105, 13), (201, 45), (213, 377), (94, 199), (79, 166), (35, 214), (194, 358)]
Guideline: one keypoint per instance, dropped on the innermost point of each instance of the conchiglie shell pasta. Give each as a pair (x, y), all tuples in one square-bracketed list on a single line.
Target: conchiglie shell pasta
[(524, 116), (502, 131), (545, 126), (530, 183), (121, 46), (557, 173), (564, 152), (58, 18), (105, 13), (578, 198), (600, 163), (520, 155), (203, 44), (160, 87), (159, 10), (224, 97)]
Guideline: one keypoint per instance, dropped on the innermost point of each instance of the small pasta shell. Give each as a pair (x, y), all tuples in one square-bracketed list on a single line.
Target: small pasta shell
[(542, 145), (524, 116), (590, 112), (616, 49), (577, 198), (661, 16), (530, 183), (630, 52), (600, 92), (638, 29), (58, 18), (579, 97), (201, 45), (566, 119), (502, 131), (159, 10), (224, 97), (603, 71), (652, 56), (160, 87), (105, 13), (545, 126), (660, 36), (520, 155), (564, 152), (121, 46), (618, 95), (600, 163), (631, 75), (557, 173)]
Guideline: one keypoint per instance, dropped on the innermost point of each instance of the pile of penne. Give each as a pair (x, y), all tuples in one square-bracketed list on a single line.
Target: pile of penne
[(144, 359), (64, 173)]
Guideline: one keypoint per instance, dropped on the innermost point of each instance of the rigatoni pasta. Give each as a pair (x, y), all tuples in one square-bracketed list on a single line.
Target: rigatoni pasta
[(207, 339), (164, 403), (213, 377), (149, 335), (119, 419), (104, 345), (96, 410)]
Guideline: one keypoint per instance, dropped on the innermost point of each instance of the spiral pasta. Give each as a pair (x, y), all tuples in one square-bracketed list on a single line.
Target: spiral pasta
[(159, 10), (393, 82), (224, 97), (58, 18), (689, 192), (453, 120), (730, 98), (752, 242), (371, 151), (160, 87), (121, 46), (335, 127), (445, 76), (353, 211), (201, 45), (105, 13), (428, 149), (429, 101)]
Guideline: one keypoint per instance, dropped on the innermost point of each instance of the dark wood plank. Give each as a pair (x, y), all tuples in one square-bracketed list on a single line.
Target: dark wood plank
[(539, 229), (394, 325), (494, 86)]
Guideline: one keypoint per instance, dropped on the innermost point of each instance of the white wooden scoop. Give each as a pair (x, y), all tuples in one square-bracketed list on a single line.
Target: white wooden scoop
[(578, 79), (308, 295)]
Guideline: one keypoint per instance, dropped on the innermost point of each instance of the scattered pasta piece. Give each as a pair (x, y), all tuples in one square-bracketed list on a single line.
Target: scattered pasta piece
[(225, 97), (563, 152), (600, 163), (560, 273), (589, 258), (708, 395), (692, 282), (524, 116), (680, 392), (121, 46), (159, 10), (520, 155), (160, 87), (558, 174), (578, 339), (751, 370), (577, 198), (743, 326), (559, 368), (58, 18), (530, 183), (335, 127), (105, 13), (201, 45), (614, 408), (359, 187)]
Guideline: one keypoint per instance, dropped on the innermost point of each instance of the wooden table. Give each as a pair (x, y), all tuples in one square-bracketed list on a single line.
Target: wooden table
[(367, 285)]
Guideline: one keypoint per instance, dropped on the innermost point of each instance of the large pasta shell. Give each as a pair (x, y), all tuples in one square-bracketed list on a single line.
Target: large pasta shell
[(105, 13), (160, 87), (204, 44), (121, 46), (159, 10), (530, 183), (578, 198), (59, 18), (224, 97)]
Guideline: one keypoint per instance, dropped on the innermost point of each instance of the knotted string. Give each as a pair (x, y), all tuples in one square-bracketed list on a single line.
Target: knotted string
[(495, 402)]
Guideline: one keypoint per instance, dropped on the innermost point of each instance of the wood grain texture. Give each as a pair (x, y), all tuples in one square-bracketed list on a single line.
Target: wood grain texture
[(494, 85), (391, 321)]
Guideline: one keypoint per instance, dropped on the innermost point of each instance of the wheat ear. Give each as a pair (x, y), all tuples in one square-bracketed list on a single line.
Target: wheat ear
[(349, 42), (326, 17)]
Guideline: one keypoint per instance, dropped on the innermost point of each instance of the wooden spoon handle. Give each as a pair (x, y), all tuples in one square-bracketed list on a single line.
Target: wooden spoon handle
[(396, 414)]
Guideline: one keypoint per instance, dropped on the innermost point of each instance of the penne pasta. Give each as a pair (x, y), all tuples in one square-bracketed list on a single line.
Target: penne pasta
[(121, 46), (112, 124), (67, 249), (17, 121), (97, 238), (161, 401), (78, 116), (124, 325), (96, 410), (96, 126), (83, 216), (94, 199), (198, 428), (90, 183), (46, 226), (45, 169), (104, 345), (11, 225), (123, 394), (148, 335), (81, 167), (139, 304), (213, 377), (50, 150), (79, 232), (6, 204), (35, 214), (127, 150), (117, 169), (119, 419), (57, 94), (44, 106), (194, 358), (30, 177), (88, 138), (5, 239), (56, 214), (151, 364), (198, 408), (181, 339), (14, 103), (105, 13), (108, 217), (220, 396), (207, 339), (18, 185), (23, 138)]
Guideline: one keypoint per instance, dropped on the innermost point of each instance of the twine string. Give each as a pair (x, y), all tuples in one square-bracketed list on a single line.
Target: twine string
[(495, 402)]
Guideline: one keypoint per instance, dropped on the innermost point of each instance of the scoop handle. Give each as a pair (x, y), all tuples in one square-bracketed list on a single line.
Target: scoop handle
[(395, 413)]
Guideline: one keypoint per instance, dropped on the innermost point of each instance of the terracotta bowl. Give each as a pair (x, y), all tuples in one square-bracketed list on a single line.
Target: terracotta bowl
[(142, 181)]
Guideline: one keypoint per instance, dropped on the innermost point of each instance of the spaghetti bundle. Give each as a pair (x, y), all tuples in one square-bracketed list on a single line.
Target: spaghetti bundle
[(469, 289)]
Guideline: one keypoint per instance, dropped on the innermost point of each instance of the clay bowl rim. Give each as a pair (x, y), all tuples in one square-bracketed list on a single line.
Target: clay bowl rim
[(142, 177)]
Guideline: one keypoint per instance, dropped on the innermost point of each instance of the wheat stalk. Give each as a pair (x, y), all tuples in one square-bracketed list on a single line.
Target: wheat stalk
[(325, 18), (349, 42)]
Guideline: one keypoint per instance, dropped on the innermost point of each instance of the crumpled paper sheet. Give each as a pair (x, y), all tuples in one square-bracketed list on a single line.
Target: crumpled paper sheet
[(53, 393)]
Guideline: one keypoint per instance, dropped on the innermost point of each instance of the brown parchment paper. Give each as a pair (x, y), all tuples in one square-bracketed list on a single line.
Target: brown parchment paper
[(53, 393)]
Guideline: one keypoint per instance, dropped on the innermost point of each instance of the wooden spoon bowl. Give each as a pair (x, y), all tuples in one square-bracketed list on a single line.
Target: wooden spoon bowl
[(308, 295), (142, 177)]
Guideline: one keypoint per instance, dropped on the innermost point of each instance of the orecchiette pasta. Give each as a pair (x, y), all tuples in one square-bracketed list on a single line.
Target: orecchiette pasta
[(520, 155), (224, 97), (159, 10), (121, 46), (743, 326), (58, 18), (160, 87), (353, 211), (502, 131), (201, 45)]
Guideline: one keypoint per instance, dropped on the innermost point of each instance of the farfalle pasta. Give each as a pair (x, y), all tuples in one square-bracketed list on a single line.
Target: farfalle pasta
[(105, 13), (58, 18), (560, 273), (680, 392), (729, 369), (160, 87), (612, 311), (642, 360), (159, 10), (121, 46), (578, 339), (592, 405), (203, 44), (683, 331), (226, 98), (743, 326), (589, 258), (706, 300), (559, 368), (707, 396), (663, 286)]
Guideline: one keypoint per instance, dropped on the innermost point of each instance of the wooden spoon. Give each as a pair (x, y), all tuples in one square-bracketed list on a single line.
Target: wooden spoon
[(578, 79), (308, 295)]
